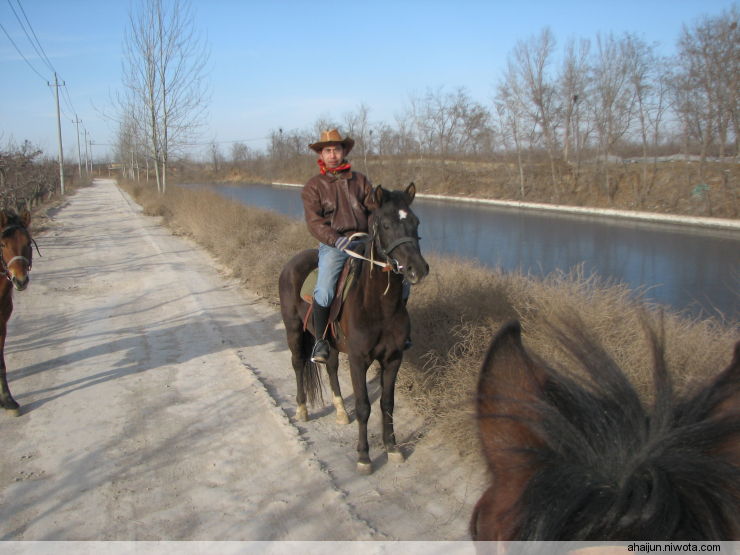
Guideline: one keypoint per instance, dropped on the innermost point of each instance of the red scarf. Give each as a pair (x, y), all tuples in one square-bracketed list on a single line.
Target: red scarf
[(342, 167)]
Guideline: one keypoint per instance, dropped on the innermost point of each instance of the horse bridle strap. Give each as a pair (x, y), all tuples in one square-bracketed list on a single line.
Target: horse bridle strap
[(397, 243)]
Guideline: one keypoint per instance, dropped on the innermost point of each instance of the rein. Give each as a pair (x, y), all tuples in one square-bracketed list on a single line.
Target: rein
[(391, 263), (354, 254)]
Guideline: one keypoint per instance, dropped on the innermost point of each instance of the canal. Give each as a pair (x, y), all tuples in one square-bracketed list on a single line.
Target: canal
[(687, 268)]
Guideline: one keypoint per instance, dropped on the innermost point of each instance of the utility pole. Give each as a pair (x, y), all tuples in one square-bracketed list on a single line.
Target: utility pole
[(92, 167), (87, 170), (77, 123), (59, 132)]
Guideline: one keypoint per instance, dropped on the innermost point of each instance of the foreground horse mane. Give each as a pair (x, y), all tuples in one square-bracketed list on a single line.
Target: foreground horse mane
[(582, 457)]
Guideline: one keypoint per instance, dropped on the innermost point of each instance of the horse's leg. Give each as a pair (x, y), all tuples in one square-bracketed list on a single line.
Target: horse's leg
[(389, 371), (6, 399), (332, 367), (298, 359), (358, 369)]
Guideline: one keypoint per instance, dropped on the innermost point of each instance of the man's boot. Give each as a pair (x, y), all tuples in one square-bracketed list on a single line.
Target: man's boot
[(320, 351)]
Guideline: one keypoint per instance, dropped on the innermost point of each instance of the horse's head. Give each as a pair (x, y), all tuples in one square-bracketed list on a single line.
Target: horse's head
[(394, 229), (582, 458), (15, 248)]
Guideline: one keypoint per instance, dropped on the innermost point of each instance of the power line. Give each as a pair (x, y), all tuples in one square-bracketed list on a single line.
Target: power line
[(68, 99), (34, 34), (225, 142), (21, 53), (39, 49)]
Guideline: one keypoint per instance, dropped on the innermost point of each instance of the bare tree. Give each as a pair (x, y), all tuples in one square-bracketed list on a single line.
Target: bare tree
[(239, 154), (709, 79), (573, 85), (613, 98), (357, 126), (216, 156), (164, 75), (647, 75), (529, 91)]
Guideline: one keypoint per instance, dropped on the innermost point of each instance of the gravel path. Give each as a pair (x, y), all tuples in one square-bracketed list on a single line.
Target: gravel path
[(158, 399)]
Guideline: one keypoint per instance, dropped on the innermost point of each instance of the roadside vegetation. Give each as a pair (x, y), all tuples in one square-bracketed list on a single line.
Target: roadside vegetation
[(29, 179), (455, 311)]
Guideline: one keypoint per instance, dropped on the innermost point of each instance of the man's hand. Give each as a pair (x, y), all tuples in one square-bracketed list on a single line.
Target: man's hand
[(341, 243)]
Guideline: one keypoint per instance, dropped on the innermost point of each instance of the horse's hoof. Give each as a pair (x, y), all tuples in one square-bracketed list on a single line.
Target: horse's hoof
[(365, 468), (342, 417), (396, 456), (301, 414)]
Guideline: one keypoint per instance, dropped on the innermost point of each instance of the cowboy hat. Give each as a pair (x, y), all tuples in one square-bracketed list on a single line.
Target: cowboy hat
[(332, 137)]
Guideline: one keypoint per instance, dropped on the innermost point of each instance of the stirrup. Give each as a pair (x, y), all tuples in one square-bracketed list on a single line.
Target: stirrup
[(320, 352)]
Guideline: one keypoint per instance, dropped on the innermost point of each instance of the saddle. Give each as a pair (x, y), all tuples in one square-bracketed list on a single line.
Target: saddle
[(344, 282)]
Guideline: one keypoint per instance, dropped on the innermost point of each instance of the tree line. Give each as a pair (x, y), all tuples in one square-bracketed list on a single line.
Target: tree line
[(555, 112)]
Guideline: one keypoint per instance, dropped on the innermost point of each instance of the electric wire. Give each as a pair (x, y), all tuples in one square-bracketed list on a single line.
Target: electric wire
[(39, 50), (22, 55), (38, 47)]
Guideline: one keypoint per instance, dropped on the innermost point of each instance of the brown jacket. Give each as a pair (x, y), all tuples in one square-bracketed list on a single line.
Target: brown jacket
[(336, 205)]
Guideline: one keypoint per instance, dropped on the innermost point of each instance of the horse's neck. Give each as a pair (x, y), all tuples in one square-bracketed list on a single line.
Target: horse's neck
[(379, 289), (6, 291)]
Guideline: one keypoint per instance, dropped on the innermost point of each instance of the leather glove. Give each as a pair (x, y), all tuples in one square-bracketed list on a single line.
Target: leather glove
[(341, 243)]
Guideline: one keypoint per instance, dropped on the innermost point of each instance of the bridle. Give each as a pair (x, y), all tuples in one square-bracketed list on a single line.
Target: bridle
[(5, 266), (391, 264)]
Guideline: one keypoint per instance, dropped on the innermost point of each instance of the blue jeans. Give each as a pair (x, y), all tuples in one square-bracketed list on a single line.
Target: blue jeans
[(331, 261)]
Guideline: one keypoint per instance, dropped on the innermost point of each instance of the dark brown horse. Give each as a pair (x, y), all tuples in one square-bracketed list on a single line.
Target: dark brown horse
[(374, 320), (15, 261), (583, 458)]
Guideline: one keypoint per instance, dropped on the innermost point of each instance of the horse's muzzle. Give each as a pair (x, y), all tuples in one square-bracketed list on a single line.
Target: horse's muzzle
[(20, 283), (416, 271)]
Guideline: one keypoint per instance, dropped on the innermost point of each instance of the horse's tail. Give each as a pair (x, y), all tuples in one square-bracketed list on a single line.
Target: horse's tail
[(312, 385)]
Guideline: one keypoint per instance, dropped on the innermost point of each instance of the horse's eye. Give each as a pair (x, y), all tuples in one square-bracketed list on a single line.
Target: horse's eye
[(386, 225)]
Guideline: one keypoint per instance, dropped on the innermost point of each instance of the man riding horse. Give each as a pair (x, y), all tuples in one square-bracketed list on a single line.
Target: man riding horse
[(336, 203)]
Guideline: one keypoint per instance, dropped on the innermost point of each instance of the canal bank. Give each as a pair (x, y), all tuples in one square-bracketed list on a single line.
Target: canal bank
[(636, 215)]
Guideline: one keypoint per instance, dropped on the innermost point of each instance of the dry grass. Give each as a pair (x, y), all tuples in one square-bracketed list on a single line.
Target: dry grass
[(457, 309)]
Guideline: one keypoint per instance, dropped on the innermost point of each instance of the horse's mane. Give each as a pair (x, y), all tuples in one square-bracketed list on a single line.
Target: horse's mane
[(611, 467)]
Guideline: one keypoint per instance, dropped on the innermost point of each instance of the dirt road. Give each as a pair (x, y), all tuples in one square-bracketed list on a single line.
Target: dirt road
[(158, 403)]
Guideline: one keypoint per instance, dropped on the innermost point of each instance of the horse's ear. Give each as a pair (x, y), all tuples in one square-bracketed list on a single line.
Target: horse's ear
[(378, 195), (3, 219), (25, 218), (727, 388), (509, 387), (410, 192)]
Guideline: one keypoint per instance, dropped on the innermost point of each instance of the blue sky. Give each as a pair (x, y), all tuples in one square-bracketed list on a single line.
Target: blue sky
[(283, 64)]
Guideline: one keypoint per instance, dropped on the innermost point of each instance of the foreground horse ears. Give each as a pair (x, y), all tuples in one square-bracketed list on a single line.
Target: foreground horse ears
[(727, 382), (3, 219), (25, 218), (510, 380), (410, 192), (509, 384)]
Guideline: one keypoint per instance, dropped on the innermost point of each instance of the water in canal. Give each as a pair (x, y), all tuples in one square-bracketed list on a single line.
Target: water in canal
[(684, 267)]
